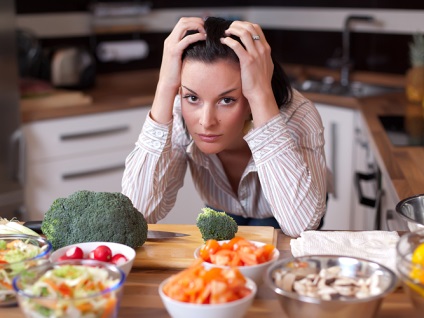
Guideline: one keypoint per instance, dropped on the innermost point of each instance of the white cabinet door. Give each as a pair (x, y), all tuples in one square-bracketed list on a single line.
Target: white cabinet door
[(78, 135), (50, 180), (77, 153), (339, 136)]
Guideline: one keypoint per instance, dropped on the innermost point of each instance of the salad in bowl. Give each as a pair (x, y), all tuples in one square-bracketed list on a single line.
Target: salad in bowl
[(74, 288), (17, 253)]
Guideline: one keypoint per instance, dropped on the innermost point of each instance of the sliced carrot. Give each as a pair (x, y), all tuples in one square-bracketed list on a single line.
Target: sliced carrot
[(198, 285), (236, 252), (109, 308)]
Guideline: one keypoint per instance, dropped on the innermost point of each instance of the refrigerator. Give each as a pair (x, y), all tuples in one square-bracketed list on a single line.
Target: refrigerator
[(11, 145)]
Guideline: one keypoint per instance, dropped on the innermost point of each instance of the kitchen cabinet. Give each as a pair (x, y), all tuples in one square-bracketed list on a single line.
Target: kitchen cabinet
[(339, 148), (74, 153), (88, 152), (374, 198)]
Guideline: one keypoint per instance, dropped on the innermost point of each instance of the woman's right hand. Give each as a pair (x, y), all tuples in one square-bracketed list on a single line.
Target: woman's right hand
[(170, 70)]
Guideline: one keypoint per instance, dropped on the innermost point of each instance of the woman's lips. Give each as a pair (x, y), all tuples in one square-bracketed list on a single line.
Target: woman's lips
[(208, 138)]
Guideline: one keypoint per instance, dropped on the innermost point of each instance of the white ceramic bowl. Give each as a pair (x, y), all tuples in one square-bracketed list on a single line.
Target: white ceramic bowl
[(87, 247), (233, 309), (254, 272)]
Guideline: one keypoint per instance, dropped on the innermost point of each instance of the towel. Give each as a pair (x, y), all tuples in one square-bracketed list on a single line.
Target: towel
[(377, 246)]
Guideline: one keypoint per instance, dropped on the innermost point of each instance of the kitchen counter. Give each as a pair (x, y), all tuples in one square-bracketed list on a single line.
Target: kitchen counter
[(123, 90), (141, 296)]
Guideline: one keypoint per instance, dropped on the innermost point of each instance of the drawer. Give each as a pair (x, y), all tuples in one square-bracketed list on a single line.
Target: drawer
[(60, 138), (50, 180)]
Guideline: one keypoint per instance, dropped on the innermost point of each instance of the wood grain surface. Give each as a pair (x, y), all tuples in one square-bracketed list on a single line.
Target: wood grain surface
[(178, 252)]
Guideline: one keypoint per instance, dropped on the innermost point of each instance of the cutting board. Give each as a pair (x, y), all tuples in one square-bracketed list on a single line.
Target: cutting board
[(56, 98), (178, 252)]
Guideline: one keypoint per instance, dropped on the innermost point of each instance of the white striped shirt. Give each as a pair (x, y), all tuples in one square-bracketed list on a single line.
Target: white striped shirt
[(285, 178)]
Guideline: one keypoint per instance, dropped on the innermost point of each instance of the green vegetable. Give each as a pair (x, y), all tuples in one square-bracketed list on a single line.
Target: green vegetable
[(88, 216), (216, 225)]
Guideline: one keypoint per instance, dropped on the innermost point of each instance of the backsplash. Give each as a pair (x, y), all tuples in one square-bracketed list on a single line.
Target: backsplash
[(294, 37)]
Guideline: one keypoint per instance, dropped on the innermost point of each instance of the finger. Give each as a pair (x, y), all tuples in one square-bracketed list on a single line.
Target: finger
[(188, 24), (240, 51), (246, 31)]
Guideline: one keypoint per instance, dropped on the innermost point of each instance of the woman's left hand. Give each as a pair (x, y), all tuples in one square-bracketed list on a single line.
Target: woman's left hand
[(256, 68)]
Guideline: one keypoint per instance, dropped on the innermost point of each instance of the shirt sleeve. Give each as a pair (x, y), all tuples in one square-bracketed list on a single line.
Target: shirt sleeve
[(154, 171), (289, 154)]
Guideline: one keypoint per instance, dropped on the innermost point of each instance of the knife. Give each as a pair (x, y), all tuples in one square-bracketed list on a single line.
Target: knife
[(151, 235)]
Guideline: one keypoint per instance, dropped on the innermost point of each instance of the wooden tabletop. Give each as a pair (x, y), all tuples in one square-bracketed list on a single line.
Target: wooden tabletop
[(141, 298)]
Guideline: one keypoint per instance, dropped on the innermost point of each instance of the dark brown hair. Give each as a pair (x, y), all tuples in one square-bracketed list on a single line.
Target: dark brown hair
[(212, 49)]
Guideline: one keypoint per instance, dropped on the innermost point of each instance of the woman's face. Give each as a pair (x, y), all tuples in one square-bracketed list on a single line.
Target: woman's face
[(213, 106)]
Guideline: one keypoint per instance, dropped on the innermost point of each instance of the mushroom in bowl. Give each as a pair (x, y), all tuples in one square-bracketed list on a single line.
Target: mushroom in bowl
[(330, 286)]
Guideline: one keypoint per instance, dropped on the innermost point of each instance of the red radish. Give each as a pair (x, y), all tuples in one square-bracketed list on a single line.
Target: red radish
[(63, 258), (118, 259), (102, 253), (74, 252)]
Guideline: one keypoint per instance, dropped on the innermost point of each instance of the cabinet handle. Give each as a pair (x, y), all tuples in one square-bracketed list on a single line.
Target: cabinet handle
[(95, 133), (333, 154), (89, 173), (16, 160), (359, 177)]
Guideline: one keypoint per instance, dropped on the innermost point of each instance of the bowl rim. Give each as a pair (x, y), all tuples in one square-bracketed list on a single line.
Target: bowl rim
[(293, 295), (39, 239), (275, 256), (399, 205), (55, 253), (46, 266), (250, 283)]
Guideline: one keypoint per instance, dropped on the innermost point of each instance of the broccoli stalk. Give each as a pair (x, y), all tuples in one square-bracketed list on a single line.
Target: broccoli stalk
[(87, 216), (216, 225)]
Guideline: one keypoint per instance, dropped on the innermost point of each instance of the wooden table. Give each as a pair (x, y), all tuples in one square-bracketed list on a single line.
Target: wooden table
[(141, 298)]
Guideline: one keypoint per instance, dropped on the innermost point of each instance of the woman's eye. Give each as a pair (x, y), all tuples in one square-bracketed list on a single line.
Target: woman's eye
[(191, 98), (227, 100)]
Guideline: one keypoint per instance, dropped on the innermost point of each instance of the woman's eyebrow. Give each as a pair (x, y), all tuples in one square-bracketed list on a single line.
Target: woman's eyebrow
[(222, 94)]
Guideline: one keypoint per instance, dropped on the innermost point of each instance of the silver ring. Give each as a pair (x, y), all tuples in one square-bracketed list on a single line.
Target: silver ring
[(256, 37)]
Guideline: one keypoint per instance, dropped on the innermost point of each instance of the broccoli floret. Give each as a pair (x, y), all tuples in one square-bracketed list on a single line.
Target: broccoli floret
[(88, 216), (216, 225)]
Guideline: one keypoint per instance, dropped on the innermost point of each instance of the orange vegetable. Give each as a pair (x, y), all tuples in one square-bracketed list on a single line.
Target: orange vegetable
[(236, 252), (201, 286)]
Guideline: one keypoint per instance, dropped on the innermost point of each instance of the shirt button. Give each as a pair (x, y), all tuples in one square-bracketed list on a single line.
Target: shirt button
[(159, 133), (259, 155), (156, 144)]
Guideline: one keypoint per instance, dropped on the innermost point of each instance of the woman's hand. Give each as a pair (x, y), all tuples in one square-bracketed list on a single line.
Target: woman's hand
[(256, 68), (170, 70)]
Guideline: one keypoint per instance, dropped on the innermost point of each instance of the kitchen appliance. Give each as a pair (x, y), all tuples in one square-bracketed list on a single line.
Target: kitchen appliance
[(404, 131), (11, 145), (73, 67)]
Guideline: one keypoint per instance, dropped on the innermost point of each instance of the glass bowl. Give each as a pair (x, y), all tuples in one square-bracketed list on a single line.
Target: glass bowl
[(70, 289), (19, 252), (410, 274)]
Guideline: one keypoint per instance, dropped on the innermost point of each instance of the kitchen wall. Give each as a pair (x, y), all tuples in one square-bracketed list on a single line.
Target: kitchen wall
[(299, 31)]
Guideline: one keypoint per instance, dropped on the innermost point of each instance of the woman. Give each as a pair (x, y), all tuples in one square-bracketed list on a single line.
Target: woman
[(222, 106)]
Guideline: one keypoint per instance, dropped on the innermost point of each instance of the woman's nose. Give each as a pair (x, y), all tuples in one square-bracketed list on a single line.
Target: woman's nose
[(208, 116)]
